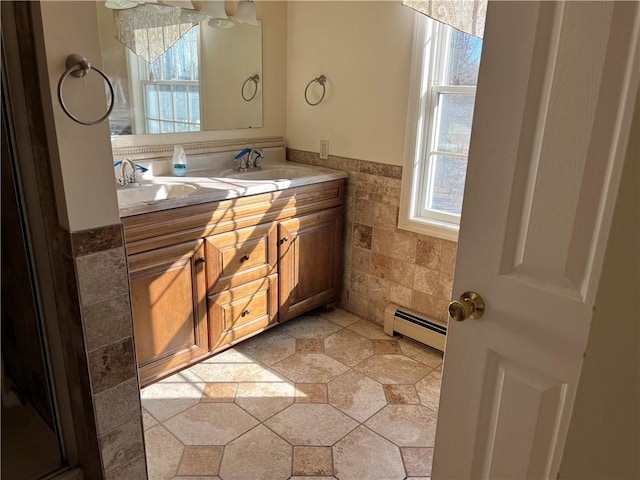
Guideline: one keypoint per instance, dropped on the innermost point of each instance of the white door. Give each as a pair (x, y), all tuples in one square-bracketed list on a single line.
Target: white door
[(556, 89)]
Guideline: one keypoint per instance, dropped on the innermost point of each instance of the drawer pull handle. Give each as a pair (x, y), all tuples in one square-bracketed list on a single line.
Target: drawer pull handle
[(244, 258), (284, 240), (246, 312), (199, 260)]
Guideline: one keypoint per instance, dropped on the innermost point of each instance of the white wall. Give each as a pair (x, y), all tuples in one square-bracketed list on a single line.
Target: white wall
[(604, 435), (364, 49), (85, 184)]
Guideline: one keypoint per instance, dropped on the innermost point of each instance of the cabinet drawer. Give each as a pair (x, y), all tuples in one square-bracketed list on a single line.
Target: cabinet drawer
[(242, 311), (239, 257)]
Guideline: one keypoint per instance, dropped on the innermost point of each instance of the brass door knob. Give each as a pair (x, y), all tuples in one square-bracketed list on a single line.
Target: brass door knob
[(471, 305)]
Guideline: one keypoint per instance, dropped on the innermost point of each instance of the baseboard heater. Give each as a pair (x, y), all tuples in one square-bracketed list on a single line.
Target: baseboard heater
[(416, 326)]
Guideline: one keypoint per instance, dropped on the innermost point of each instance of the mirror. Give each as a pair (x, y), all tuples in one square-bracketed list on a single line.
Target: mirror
[(210, 79)]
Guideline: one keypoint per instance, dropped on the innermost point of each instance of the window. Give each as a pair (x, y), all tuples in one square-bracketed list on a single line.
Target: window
[(445, 72), (169, 88)]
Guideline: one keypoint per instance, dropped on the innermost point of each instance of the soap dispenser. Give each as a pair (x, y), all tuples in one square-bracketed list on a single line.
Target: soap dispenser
[(179, 161)]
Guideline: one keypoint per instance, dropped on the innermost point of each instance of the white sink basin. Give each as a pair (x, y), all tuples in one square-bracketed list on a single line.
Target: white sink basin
[(151, 193), (287, 172)]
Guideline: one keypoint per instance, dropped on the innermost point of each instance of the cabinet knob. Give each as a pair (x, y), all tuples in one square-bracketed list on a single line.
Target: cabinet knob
[(199, 260), (244, 258), (246, 312), (284, 240)]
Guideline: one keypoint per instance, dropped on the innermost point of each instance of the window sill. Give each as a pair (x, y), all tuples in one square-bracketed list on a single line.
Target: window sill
[(432, 228)]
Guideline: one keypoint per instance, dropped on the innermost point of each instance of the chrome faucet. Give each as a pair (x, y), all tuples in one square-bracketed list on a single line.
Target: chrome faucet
[(258, 155), (249, 158), (242, 159), (125, 179)]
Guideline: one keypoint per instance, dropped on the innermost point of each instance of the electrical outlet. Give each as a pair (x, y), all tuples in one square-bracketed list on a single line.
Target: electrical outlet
[(324, 149)]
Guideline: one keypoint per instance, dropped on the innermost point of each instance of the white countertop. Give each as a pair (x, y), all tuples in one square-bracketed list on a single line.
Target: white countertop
[(212, 185)]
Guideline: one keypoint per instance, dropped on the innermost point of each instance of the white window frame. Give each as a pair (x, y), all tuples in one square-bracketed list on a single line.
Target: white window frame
[(139, 69), (428, 62)]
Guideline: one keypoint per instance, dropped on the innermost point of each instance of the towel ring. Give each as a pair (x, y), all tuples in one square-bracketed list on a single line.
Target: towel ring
[(255, 79), (321, 80), (78, 66)]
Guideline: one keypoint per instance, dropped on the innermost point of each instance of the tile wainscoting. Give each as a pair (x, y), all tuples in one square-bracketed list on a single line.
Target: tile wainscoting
[(101, 271), (383, 263)]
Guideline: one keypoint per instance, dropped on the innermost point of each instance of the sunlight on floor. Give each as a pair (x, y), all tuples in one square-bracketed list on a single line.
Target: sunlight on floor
[(326, 395)]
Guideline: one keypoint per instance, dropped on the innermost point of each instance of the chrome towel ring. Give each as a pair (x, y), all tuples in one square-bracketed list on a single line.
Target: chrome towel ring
[(322, 80), (78, 66), (255, 79)]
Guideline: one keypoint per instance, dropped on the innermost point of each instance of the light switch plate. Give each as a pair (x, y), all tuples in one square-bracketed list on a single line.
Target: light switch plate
[(324, 149)]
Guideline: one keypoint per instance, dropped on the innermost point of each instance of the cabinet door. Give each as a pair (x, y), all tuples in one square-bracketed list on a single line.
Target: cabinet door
[(168, 294), (240, 256), (242, 311), (310, 251)]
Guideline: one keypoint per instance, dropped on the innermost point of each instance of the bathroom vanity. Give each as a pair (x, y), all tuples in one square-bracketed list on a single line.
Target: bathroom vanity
[(206, 273)]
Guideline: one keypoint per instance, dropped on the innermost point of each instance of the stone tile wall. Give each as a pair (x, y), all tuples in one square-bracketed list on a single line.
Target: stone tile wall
[(383, 263), (101, 271)]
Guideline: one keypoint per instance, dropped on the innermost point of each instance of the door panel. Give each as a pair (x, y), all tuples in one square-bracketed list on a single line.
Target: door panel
[(169, 315), (558, 169), (310, 255), (552, 116), (23, 354), (521, 453)]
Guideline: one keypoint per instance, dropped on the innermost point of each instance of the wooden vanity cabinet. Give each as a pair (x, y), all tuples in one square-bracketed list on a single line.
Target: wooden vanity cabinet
[(206, 276), (309, 261), (168, 297)]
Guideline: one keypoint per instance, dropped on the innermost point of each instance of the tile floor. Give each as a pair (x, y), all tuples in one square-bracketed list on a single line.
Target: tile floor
[(326, 395)]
